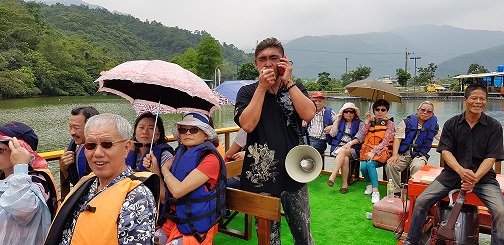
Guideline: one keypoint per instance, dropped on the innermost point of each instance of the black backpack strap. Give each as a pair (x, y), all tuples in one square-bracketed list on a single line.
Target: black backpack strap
[(65, 213)]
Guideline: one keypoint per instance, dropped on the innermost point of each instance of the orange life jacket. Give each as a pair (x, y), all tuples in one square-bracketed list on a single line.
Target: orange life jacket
[(97, 224), (375, 135)]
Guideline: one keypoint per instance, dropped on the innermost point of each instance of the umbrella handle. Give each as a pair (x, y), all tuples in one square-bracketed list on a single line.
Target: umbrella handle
[(155, 125)]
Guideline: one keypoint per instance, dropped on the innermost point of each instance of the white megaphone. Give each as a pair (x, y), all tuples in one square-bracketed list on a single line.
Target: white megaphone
[(303, 163)]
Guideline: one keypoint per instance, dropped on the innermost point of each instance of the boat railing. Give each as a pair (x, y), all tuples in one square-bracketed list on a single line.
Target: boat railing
[(226, 132)]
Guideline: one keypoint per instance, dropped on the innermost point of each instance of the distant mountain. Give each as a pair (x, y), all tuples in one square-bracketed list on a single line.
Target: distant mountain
[(453, 49), (383, 52), (386, 51), (445, 43), (489, 58)]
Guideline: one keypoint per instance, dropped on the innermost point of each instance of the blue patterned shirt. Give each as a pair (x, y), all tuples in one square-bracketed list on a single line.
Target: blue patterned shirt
[(136, 221)]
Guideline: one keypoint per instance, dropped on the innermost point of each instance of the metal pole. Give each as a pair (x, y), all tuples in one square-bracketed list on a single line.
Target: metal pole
[(414, 81), (414, 84), (215, 74), (346, 71)]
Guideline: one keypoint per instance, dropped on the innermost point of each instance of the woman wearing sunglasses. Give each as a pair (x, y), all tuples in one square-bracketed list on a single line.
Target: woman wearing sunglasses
[(345, 144), (379, 133), (142, 137), (195, 178)]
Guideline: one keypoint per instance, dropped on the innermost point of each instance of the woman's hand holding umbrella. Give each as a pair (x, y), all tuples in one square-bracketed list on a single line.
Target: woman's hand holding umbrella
[(150, 162)]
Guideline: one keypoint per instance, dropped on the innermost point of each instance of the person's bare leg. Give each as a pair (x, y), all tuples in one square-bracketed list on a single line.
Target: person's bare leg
[(338, 161), (345, 168)]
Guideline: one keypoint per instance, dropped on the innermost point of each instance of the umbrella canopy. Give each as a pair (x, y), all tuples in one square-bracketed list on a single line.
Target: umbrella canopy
[(228, 90), (144, 81), (374, 90)]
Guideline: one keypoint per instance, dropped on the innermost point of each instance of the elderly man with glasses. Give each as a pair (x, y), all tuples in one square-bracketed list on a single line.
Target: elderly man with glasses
[(112, 205), (412, 143)]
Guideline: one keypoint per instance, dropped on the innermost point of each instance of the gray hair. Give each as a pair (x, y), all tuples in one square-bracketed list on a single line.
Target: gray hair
[(426, 102), (122, 125)]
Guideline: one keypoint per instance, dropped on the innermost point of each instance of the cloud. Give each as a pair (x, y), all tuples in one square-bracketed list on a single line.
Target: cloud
[(243, 23)]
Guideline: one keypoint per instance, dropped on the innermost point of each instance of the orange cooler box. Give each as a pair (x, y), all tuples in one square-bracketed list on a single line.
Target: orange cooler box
[(387, 215)]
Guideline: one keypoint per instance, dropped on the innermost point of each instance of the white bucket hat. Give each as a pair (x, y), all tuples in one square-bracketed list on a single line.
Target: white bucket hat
[(198, 120)]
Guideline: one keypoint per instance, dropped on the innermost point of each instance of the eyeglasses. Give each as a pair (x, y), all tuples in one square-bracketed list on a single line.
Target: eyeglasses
[(105, 144), (2, 150), (426, 111), (140, 145), (382, 109), (348, 111), (191, 130)]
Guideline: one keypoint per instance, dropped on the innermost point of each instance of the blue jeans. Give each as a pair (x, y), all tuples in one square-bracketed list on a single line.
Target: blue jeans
[(490, 195), (233, 183), (368, 170), (318, 144)]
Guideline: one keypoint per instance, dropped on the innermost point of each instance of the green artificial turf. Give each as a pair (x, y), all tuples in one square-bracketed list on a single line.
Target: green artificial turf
[(335, 218)]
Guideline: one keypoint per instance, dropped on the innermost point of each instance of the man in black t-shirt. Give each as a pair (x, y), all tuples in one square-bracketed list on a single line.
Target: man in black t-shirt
[(271, 111), (470, 143)]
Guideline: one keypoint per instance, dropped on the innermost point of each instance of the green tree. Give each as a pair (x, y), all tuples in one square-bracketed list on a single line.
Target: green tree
[(475, 68), (362, 72), (345, 78), (209, 56), (336, 85), (247, 71), (188, 60), (402, 76), (312, 86), (323, 80), (426, 74)]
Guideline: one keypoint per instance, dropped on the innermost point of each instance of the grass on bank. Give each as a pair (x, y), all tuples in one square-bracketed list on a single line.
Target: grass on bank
[(335, 218)]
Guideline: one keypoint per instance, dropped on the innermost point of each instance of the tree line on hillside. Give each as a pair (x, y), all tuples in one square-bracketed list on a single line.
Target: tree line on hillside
[(60, 50)]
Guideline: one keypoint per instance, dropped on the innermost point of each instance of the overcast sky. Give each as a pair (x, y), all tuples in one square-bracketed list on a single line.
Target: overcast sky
[(243, 23)]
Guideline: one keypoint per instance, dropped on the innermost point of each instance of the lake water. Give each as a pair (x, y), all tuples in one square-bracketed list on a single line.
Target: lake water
[(49, 116)]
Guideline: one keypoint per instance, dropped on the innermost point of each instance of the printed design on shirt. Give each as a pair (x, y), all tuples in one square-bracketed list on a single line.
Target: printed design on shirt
[(285, 102), (264, 165)]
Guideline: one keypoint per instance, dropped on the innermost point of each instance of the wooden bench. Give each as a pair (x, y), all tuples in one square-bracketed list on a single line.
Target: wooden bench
[(264, 208)]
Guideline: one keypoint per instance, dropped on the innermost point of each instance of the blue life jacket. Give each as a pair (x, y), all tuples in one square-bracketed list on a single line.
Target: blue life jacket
[(199, 210), (131, 159), (354, 128), (327, 121), (80, 168), (426, 134)]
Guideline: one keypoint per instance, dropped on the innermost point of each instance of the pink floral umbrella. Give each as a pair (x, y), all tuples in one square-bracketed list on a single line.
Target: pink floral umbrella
[(162, 83)]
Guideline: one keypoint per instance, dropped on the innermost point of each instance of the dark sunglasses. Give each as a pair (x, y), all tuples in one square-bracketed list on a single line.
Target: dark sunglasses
[(2, 150), (191, 130), (105, 144), (140, 145), (382, 109), (426, 111), (348, 111)]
